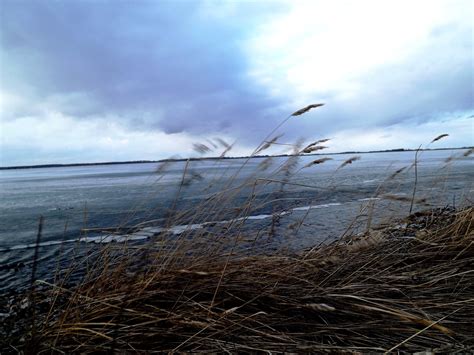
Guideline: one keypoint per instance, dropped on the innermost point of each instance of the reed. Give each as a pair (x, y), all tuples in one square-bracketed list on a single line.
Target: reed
[(317, 162), (406, 286), (349, 161), (370, 293)]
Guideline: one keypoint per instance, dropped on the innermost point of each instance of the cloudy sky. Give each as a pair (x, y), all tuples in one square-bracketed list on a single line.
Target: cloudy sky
[(89, 81)]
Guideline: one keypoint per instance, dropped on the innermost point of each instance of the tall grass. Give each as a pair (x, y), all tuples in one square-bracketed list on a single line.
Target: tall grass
[(215, 287)]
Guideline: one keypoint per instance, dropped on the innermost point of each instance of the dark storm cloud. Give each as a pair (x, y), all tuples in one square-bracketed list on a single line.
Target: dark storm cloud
[(180, 66), (172, 65)]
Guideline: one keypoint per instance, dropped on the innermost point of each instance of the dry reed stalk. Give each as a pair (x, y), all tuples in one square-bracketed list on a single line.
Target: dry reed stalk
[(265, 164), (313, 149), (441, 136), (162, 167), (317, 162), (349, 161), (211, 143), (268, 144), (416, 174), (201, 148), (226, 150), (396, 173), (316, 143), (324, 140), (259, 148), (464, 155), (306, 109), (199, 294), (348, 295), (222, 142), (468, 152)]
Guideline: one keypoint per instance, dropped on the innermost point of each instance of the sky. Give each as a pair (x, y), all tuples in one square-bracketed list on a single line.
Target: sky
[(92, 81)]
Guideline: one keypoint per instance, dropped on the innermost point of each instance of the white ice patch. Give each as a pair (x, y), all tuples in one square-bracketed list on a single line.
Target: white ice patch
[(369, 181), (185, 227), (118, 238), (149, 232), (33, 245), (326, 205)]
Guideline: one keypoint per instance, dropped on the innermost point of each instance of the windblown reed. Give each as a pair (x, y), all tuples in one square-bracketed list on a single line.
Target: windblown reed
[(406, 287), (372, 293)]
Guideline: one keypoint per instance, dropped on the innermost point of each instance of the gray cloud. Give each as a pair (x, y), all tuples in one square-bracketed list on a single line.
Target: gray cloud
[(178, 66), (164, 65)]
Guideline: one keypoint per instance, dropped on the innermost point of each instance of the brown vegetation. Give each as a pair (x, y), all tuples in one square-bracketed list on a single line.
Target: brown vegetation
[(408, 287)]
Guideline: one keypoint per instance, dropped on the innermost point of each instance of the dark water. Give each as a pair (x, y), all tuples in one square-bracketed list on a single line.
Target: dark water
[(73, 198)]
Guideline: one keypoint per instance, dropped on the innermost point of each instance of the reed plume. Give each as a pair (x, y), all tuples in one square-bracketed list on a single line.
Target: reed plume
[(441, 136), (204, 291), (316, 162), (392, 176), (322, 141), (306, 109), (201, 148), (214, 145), (161, 168), (313, 148), (226, 150), (268, 144), (265, 164), (468, 152), (222, 142), (317, 142), (349, 161)]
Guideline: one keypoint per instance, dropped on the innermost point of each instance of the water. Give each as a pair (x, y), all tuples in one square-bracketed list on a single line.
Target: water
[(74, 198)]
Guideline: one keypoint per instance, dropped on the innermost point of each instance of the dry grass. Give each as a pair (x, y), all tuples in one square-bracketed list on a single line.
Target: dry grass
[(306, 109), (317, 162), (441, 136), (349, 161), (408, 288), (314, 148)]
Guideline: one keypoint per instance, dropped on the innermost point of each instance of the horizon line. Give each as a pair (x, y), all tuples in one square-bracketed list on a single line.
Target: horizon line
[(59, 165)]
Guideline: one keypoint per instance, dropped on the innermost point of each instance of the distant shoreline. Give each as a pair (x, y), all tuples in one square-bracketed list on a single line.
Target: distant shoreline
[(213, 158)]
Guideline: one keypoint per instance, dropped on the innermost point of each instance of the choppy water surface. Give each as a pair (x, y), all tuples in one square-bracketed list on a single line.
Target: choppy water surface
[(74, 198)]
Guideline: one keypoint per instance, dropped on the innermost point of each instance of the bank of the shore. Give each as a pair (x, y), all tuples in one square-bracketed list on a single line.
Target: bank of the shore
[(219, 158), (112, 203), (408, 287)]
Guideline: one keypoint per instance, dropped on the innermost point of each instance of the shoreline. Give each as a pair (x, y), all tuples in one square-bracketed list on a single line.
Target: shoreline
[(345, 296), (42, 166)]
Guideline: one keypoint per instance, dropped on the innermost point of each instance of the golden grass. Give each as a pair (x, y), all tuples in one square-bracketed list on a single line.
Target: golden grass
[(408, 288)]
